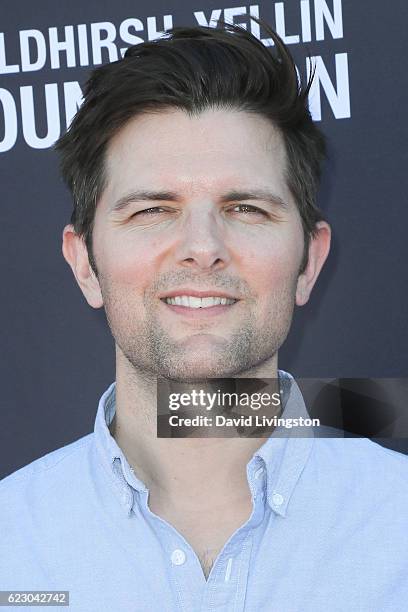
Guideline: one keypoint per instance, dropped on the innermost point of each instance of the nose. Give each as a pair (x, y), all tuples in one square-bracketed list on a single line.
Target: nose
[(202, 244)]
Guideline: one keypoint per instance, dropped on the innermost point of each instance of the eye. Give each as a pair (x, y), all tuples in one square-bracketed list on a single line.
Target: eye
[(248, 209), (148, 211)]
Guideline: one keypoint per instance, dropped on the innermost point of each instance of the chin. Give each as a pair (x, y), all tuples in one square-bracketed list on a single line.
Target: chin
[(199, 369), (193, 374)]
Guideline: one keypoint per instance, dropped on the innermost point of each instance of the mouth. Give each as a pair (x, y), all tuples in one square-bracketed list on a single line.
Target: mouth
[(192, 301), (198, 306)]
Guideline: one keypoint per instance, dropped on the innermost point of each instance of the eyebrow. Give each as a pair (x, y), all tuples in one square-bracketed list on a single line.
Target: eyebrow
[(169, 196)]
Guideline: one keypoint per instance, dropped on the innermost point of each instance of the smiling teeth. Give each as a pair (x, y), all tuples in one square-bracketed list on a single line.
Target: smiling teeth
[(196, 302)]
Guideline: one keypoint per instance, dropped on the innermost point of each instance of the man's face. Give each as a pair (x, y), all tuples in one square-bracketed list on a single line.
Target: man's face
[(211, 214)]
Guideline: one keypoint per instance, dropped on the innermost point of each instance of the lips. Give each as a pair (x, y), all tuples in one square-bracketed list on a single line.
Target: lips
[(192, 301), (189, 292)]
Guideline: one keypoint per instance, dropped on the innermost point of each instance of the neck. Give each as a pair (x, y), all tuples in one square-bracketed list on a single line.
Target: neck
[(174, 466)]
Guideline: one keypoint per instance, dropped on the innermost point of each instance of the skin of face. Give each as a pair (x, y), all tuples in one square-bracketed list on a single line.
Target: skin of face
[(199, 234)]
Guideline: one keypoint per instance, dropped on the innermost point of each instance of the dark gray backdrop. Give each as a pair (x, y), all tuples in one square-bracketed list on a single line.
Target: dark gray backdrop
[(56, 353)]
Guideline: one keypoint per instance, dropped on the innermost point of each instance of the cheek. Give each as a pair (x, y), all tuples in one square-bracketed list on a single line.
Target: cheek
[(130, 263), (272, 263)]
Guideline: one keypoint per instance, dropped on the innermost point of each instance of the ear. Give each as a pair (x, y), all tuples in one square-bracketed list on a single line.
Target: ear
[(318, 251), (76, 255)]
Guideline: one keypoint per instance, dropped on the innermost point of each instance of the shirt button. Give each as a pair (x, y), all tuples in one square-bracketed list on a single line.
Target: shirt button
[(277, 499), (178, 557)]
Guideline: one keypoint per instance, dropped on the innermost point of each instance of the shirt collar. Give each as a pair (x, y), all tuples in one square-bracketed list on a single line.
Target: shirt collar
[(111, 455), (283, 455), (286, 451)]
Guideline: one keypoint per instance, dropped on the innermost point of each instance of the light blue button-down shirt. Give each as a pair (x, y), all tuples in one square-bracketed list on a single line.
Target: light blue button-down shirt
[(328, 531)]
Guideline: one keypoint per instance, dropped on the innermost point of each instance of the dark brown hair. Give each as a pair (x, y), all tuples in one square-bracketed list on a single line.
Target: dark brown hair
[(193, 69)]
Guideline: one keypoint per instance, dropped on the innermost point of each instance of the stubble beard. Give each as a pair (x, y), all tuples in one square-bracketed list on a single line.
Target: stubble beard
[(152, 352)]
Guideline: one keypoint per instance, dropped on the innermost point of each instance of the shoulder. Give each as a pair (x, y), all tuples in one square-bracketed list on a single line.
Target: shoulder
[(43, 508), (363, 462), (363, 449), (41, 472)]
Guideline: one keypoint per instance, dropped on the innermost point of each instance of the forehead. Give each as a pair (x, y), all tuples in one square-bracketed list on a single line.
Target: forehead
[(215, 150)]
